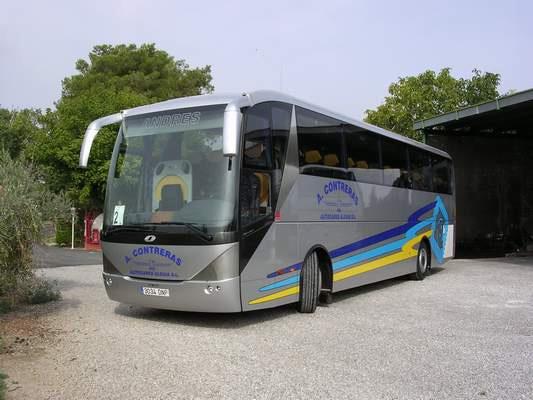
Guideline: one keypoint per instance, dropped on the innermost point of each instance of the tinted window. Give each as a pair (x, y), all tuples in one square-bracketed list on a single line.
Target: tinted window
[(257, 143), (420, 169), (266, 135), (265, 144), (394, 160), (362, 151), (441, 169), (319, 145)]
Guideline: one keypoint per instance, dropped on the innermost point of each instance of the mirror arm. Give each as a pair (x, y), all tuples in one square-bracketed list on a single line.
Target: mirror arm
[(91, 132)]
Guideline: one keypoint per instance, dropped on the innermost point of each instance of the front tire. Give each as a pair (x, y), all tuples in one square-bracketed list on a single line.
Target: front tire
[(309, 284), (422, 262)]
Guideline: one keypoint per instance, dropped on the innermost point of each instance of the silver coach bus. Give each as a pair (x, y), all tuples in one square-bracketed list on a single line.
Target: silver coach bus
[(236, 203)]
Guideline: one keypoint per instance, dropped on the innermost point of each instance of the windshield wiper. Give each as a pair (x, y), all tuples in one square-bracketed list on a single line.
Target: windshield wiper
[(128, 228), (192, 227)]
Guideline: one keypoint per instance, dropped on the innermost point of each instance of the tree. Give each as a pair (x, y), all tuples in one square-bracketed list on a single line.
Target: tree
[(25, 203), (18, 128), (112, 79), (429, 94)]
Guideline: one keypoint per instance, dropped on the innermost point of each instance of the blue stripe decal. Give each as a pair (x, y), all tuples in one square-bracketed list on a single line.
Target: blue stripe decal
[(417, 214), (286, 270), (380, 237), (442, 226), (358, 258), (379, 251), (285, 282), (413, 220)]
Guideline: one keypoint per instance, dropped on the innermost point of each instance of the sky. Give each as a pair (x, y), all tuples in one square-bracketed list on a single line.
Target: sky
[(341, 55)]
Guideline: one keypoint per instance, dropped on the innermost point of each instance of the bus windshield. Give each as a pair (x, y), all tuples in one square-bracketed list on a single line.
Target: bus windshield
[(168, 169)]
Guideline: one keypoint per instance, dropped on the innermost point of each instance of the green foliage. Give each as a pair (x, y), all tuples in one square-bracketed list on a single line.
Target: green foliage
[(429, 94), (41, 291), (64, 233), (5, 305), (25, 203), (112, 79), (3, 386), (18, 129)]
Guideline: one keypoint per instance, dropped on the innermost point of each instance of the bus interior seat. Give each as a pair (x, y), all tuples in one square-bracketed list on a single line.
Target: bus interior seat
[(264, 186), (312, 157), (255, 155), (361, 164), (331, 160), (351, 164), (171, 198)]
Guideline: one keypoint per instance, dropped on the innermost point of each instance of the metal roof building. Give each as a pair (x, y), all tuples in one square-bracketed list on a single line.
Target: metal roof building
[(492, 147)]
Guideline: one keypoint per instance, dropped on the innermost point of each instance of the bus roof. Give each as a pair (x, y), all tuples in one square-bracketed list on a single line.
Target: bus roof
[(250, 98)]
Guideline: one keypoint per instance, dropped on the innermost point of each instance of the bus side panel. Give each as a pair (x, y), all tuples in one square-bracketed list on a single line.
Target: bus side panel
[(278, 249), (376, 275), (371, 233), (271, 277)]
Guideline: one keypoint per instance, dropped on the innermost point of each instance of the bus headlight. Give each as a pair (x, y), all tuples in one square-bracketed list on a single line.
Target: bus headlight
[(212, 289)]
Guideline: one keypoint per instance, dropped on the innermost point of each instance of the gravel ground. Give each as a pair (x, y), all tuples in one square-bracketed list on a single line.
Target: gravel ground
[(466, 332)]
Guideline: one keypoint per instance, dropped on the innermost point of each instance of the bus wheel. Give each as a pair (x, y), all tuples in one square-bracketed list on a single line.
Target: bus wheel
[(309, 284), (422, 262)]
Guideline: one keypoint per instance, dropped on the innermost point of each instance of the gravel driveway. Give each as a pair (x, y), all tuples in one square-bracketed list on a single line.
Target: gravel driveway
[(466, 332)]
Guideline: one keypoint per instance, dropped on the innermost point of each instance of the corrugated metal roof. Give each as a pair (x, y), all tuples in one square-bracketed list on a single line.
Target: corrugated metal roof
[(497, 104)]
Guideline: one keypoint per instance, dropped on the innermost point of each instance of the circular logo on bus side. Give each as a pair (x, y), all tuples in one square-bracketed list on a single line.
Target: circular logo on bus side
[(149, 238)]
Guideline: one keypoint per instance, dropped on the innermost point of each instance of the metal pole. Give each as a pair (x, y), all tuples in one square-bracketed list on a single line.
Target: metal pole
[(73, 213)]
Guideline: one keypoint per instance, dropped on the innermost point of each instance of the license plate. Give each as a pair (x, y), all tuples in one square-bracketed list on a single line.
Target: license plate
[(152, 291)]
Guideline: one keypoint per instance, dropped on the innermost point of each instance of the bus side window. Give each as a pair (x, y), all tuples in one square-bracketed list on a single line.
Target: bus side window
[(265, 144), (362, 149), (441, 171), (394, 159), (420, 169), (320, 145)]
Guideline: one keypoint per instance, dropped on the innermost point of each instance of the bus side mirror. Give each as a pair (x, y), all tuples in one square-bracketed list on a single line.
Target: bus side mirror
[(231, 130), (91, 132)]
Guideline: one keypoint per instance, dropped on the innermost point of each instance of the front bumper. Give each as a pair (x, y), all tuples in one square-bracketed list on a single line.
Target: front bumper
[(184, 295)]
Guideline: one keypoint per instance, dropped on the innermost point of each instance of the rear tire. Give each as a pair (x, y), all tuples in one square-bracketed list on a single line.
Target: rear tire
[(422, 262), (309, 284)]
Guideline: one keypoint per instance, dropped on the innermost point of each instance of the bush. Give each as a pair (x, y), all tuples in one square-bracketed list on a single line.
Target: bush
[(3, 386), (5, 305), (64, 233), (25, 203), (40, 291)]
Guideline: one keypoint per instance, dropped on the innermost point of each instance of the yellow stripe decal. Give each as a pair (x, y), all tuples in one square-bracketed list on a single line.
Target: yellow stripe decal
[(278, 295), (406, 252)]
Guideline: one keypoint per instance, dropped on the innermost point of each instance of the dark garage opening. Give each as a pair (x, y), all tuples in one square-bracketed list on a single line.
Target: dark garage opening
[(492, 148)]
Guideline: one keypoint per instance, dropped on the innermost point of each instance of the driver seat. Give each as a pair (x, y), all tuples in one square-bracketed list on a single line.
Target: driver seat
[(171, 198)]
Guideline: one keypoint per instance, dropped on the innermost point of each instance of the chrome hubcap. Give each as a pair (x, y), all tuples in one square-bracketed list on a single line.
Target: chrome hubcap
[(423, 259)]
